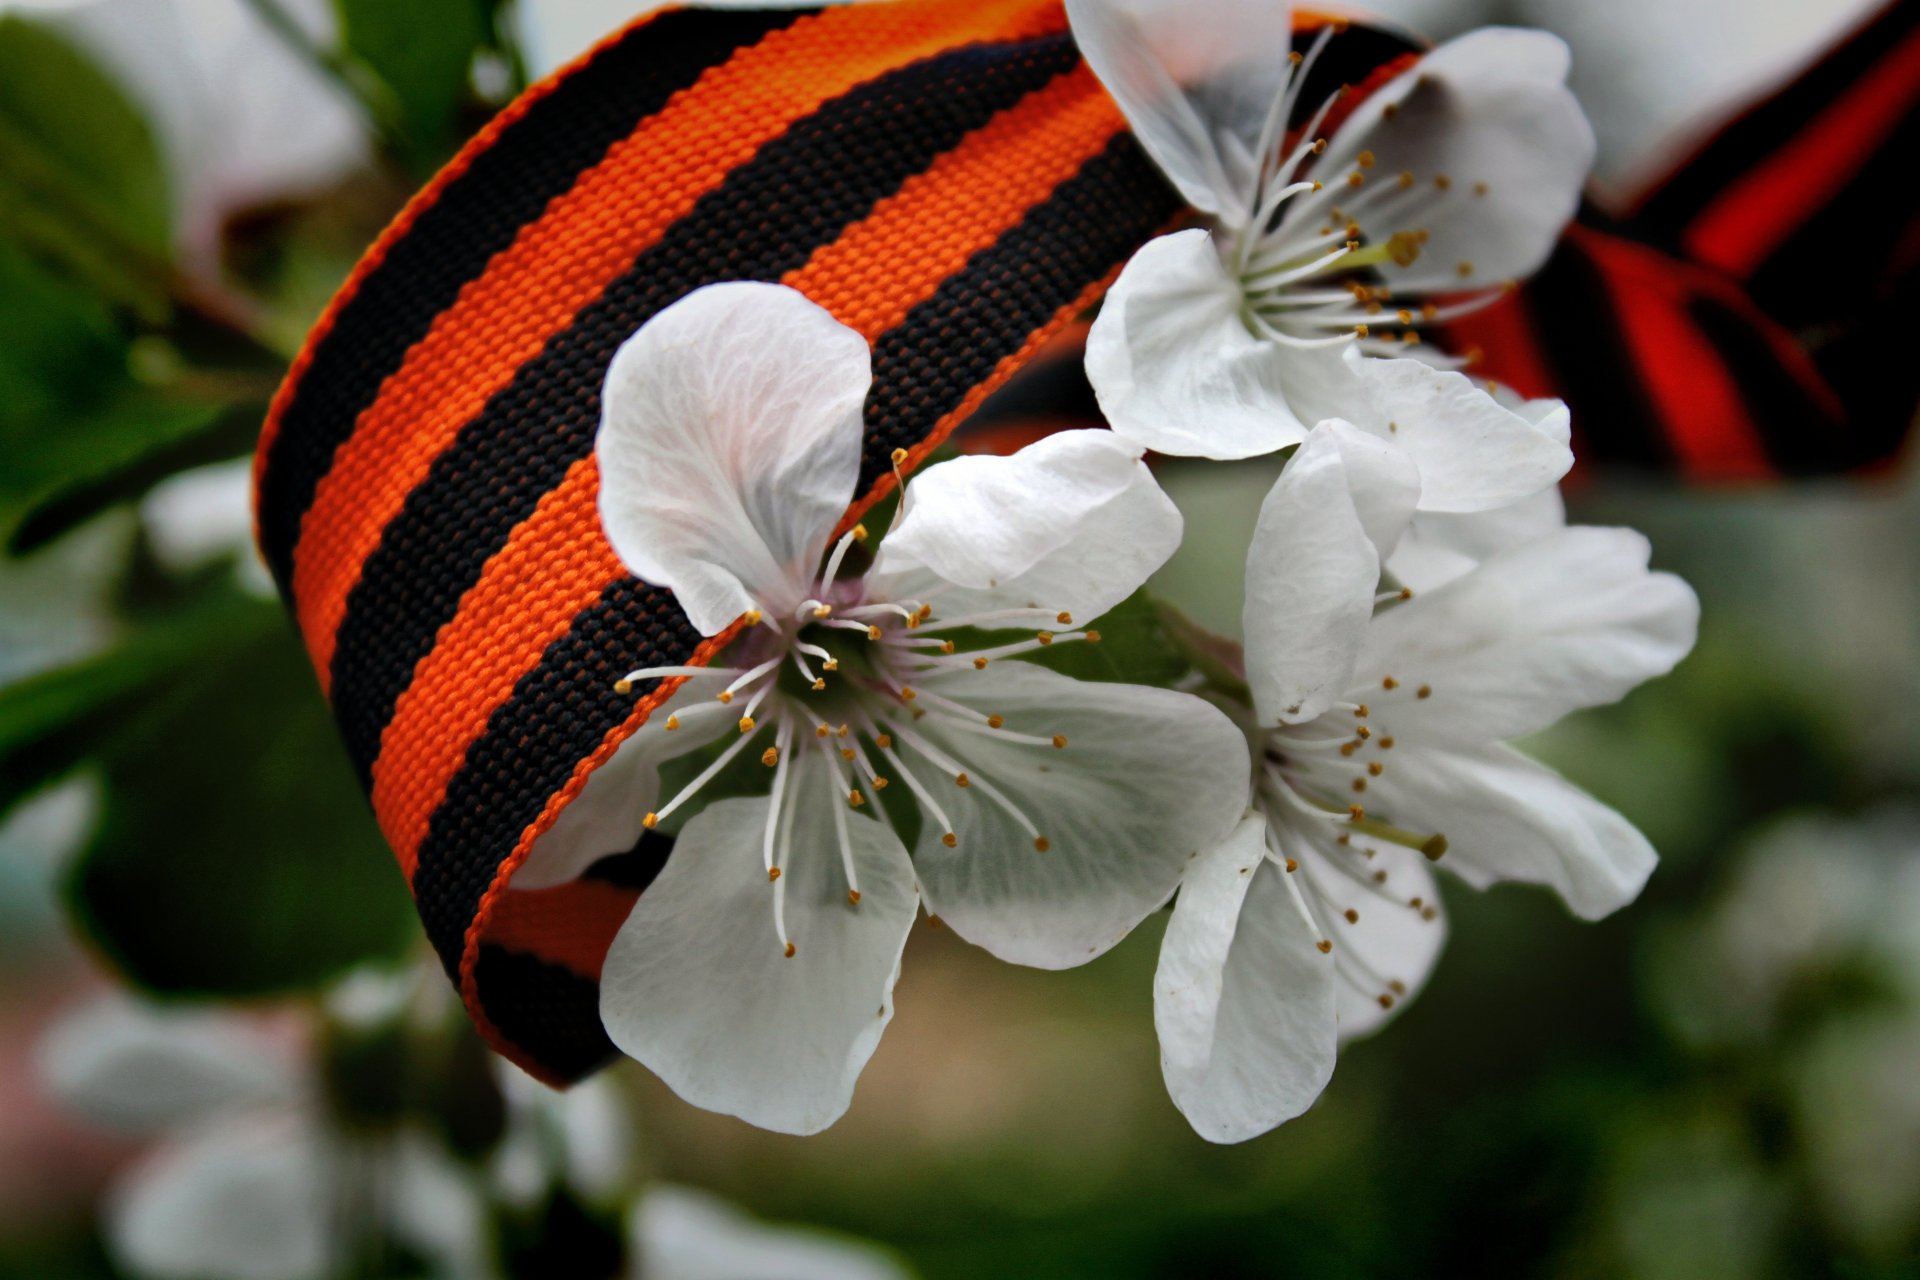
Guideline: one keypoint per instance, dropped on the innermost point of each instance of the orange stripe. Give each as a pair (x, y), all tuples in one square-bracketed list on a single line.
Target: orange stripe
[(924, 233), (1749, 221), (569, 924), (586, 238)]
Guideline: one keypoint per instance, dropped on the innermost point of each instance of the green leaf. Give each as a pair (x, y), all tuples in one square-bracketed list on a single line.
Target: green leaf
[(114, 456), (235, 855), (81, 177), (1134, 648), (422, 51), (60, 348), (78, 432)]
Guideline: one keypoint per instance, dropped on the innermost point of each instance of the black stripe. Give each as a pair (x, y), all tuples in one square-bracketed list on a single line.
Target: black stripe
[(799, 192), (953, 340), (549, 1012), (1593, 363), (1880, 392), (1803, 284), (479, 214), (558, 715), (1799, 437), (562, 710), (1763, 129)]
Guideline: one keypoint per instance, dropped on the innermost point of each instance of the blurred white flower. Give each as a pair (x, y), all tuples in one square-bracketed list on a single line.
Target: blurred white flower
[(581, 1140), (1054, 814), (1380, 721), (1652, 74), (1456, 177), (677, 1233), (195, 517), (247, 1178), (553, 33), (1818, 903), (241, 118), (1655, 76), (1811, 954)]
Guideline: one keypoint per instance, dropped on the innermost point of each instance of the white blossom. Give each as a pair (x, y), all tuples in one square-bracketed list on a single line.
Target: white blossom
[(755, 975), (1301, 298), (1379, 717)]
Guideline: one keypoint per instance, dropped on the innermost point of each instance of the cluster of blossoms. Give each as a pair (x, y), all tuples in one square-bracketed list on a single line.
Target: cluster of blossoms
[(1414, 599)]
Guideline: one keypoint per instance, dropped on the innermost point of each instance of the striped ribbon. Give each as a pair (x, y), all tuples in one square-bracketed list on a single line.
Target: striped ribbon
[(948, 179)]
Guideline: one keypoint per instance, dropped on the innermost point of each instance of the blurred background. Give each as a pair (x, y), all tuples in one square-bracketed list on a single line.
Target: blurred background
[(1721, 1081)]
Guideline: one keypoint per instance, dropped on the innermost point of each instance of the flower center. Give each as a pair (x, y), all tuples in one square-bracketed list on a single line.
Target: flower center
[(844, 679), (1309, 254), (1313, 781)]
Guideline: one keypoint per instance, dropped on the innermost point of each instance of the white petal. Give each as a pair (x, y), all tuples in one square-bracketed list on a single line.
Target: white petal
[(1073, 522), (1492, 108), (1177, 370), (681, 1234), (1312, 570), (607, 816), (241, 1201), (1440, 546), (1389, 946), (1197, 80), (696, 985), (1506, 817), (141, 1068), (730, 445), (594, 1157), (1568, 621), (1473, 453), (1243, 999), (1148, 778)]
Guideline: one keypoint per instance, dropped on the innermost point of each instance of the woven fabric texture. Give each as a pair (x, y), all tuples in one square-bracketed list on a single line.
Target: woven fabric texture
[(948, 179)]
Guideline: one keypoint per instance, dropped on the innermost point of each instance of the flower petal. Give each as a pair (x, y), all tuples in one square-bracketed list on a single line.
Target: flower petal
[(1388, 945), (1312, 569), (607, 816), (1177, 370), (1147, 778), (1440, 546), (683, 1234), (1197, 80), (1243, 999), (729, 447), (143, 1069), (1473, 453), (1507, 818), (696, 985), (1489, 114), (244, 1200), (1073, 522), (1571, 620)]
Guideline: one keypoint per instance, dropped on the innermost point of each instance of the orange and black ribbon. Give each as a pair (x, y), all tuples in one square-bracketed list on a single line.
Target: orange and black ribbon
[(948, 179)]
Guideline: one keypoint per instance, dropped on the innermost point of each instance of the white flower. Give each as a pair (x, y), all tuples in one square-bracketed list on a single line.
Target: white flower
[(756, 974), (203, 515), (241, 117), (1233, 340), (1379, 724), (247, 1179), (677, 1233)]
